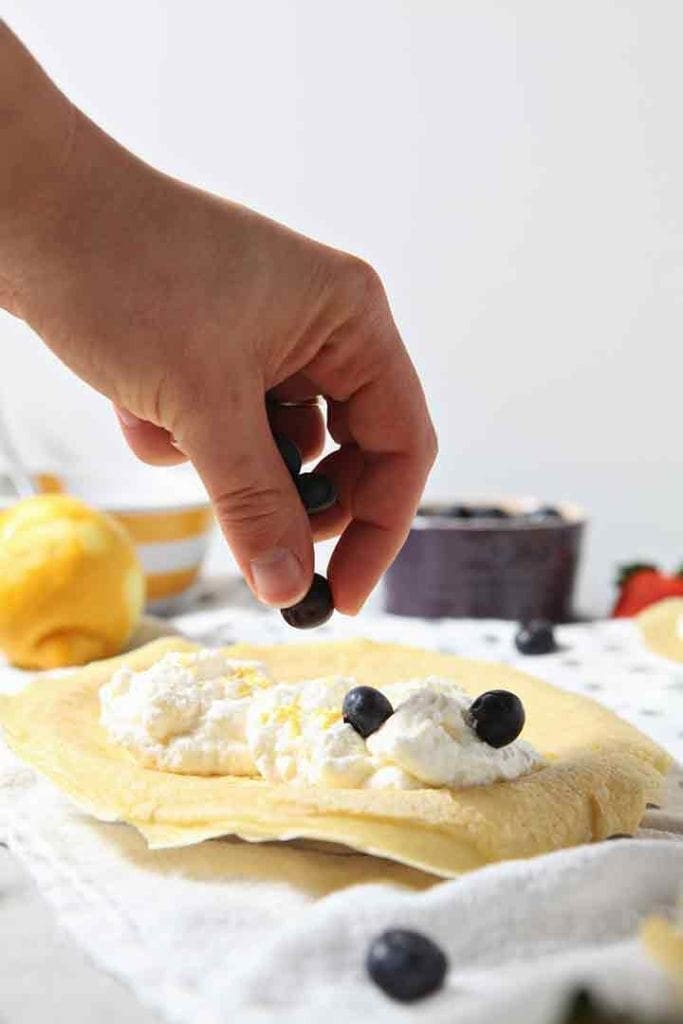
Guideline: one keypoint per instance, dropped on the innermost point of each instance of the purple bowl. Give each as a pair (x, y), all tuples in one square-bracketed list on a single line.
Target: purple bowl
[(515, 568)]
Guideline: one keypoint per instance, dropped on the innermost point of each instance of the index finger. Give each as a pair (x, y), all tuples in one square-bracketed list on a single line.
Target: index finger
[(387, 419)]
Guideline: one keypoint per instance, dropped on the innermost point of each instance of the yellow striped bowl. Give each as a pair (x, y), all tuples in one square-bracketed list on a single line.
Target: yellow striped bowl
[(166, 513), (171, 544)]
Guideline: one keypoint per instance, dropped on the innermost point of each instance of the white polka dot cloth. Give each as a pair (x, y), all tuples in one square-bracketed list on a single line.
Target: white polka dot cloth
[(232, 931)]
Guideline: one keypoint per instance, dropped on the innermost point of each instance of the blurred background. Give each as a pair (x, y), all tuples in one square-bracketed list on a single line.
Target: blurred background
[(513, 170)]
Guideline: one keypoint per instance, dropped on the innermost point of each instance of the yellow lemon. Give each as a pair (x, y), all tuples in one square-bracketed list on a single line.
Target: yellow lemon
[(662, 627), (71, 587)]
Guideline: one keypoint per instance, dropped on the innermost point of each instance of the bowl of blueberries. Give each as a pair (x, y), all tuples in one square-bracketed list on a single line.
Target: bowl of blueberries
[(497, 559)]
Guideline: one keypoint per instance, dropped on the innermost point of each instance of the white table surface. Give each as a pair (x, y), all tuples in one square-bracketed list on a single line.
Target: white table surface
[(44, 975)]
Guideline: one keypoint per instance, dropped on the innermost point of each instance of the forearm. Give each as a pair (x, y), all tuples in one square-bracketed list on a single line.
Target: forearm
[(37, 123), (62, 181)]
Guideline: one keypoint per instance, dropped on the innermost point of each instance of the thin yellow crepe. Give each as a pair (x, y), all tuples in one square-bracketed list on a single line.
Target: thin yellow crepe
[(661, 625), (600, 775)]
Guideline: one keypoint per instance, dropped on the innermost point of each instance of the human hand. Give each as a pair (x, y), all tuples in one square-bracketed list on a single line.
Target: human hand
[(188, 311)]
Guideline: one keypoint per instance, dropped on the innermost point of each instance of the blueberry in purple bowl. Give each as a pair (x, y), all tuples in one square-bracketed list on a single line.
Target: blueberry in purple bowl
[(512, 559)]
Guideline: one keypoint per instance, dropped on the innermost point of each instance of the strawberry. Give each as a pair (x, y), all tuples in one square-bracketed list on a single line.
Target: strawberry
[(641, 585)]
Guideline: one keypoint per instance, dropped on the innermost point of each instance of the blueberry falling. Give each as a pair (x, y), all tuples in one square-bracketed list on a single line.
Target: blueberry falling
[(497, 717), (535, 637), (313, 609), (406, 965), (366, 709)]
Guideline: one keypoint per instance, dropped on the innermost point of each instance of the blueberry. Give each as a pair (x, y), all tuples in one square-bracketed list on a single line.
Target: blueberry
[(582, 1008), (313, 609), (457, 512), (497, 717), (541, 515), (535, 637), (365, 709), (289, 452), (316, 491), (487, 512), (406, 965)]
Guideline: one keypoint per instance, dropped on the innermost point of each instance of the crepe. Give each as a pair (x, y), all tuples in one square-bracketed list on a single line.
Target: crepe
[(661, 625), (600, 774)]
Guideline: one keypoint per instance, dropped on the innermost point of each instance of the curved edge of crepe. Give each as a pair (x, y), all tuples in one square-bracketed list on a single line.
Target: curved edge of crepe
[(601, 771), (661, 627)]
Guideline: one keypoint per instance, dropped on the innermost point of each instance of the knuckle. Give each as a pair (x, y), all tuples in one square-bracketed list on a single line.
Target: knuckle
[(249, 506), (425, 445), (364, 283), (432, 445)]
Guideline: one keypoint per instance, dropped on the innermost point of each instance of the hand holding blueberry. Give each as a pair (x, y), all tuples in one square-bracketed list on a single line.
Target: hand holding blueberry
[(208, 325)]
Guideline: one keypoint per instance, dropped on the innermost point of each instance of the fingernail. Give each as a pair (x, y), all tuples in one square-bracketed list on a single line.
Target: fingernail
[(127, 418), (278, 578)]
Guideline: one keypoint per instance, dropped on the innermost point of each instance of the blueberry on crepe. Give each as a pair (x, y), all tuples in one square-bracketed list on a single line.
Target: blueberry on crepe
[(366, 709), (497, 717)]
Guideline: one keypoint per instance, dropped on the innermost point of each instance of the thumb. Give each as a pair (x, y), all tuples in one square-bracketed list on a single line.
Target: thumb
[(257, 505)]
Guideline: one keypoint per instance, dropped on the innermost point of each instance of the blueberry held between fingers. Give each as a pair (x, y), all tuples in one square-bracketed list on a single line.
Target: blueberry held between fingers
[(290, 453), (316, 491), (366, 709), (497, 717), (406, 965), (535, 637), (312, 610)]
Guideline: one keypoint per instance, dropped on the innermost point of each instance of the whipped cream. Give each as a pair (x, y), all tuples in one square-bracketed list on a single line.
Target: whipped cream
[(430, 739), (186, 713), (205, 714), (297, 734)]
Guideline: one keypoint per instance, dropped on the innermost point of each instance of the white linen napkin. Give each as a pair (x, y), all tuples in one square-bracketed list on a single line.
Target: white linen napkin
[(228, 930)]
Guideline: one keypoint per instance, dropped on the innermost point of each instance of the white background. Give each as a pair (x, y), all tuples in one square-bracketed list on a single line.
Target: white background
[(514, 171)]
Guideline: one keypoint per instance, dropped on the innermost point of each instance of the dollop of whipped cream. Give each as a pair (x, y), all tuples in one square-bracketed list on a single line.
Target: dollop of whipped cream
[(205, 714), (186, 713)]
